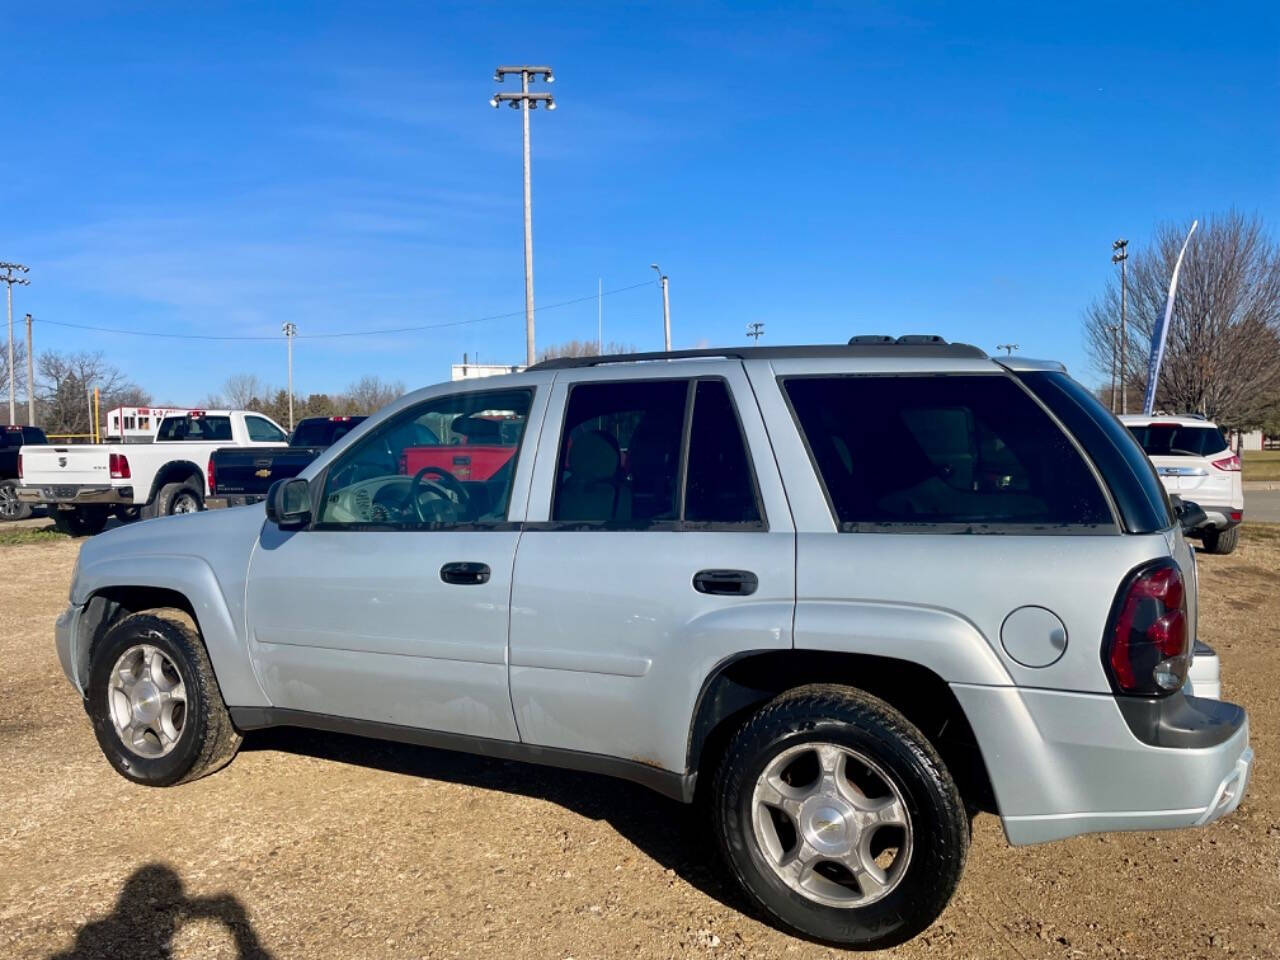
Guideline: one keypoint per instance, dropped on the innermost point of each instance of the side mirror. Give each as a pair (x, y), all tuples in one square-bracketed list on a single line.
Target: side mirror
[(289, 503), (1190, 515)]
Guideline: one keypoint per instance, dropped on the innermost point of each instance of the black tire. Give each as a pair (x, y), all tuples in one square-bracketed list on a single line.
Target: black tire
[(1220, 541), (127, 514), (173, 497), (80, 521), (11, 508), (206, 742), (939, 826)]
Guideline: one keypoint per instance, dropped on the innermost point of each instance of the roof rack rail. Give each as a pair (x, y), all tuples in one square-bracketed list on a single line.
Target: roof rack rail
[(902, 347)]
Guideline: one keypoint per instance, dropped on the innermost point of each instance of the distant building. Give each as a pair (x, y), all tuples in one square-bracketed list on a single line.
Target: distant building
[(470, 371), (136, 424)]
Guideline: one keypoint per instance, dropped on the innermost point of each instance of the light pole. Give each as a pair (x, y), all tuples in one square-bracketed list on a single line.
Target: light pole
[(1120, 255), (1115, 331), (290, 331), (12, 274), (1008, 348), (526, 101), (666, 309), (31, 378)]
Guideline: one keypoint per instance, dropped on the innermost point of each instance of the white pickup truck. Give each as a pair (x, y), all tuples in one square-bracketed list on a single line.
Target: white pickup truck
[(83, 485)]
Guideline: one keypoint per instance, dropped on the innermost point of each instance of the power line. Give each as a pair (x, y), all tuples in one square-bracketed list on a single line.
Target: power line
[(345, 333)]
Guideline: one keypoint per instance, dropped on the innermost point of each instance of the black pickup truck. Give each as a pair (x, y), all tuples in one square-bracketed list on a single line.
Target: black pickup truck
[(13, 437), (238, 475)]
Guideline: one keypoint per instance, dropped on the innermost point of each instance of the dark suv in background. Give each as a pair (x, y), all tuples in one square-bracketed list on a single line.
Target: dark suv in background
[(13, 437)]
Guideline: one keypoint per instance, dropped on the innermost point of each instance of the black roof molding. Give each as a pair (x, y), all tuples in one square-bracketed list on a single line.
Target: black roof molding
[(914, 347)]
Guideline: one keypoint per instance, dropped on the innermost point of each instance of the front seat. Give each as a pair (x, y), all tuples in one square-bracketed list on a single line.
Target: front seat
[(592, 489)]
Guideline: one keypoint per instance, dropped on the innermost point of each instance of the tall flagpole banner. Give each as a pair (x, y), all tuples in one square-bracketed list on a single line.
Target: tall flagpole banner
[(1161, 333)]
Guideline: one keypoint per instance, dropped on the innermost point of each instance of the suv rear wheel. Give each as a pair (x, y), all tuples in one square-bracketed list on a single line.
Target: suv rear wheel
[(839, 819), (155, 704), (1220, 541)]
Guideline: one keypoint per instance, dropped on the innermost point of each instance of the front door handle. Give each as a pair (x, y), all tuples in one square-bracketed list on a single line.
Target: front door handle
[(730, 583), (464, 572)]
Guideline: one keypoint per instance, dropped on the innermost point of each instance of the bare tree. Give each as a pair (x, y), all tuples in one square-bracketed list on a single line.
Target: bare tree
[(371, 393), (1222, 356), (241, 390), (583, 348), (65, 381)]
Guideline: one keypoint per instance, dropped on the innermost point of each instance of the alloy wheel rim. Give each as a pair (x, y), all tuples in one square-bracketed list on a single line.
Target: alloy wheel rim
[(147, 700), (185, 503), (8, 502), (831, 824)]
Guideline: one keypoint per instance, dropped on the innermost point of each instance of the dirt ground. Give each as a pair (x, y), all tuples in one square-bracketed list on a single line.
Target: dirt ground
[(321, 846)]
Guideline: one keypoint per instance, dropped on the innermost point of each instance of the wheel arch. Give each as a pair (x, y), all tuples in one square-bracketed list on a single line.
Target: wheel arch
[(741, 684), (110, 590), (177, 471)]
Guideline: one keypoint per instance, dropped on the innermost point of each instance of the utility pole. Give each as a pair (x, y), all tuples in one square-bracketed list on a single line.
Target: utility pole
[(1008, 348), (290, 331), (31, 378), (599, 315), (12, 274), (755, 331), (666, 309), (1115, 350), (526, 101), (1120, 255)]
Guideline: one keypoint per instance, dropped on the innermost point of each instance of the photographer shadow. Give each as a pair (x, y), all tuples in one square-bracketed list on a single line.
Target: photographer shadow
[(151, 909)]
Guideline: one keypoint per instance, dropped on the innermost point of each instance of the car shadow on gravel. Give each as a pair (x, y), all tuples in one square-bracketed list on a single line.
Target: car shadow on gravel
[(151, 909), (676, 835)]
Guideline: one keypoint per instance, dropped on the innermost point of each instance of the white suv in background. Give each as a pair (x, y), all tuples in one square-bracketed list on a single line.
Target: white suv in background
[(1196, 463)]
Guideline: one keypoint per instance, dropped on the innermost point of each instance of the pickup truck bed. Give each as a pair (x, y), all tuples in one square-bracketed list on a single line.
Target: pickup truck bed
[(238, 476)]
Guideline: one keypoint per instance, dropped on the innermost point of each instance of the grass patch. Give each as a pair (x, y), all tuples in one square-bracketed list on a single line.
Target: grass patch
[(1262, 464), (21, 536), (1262, 532)]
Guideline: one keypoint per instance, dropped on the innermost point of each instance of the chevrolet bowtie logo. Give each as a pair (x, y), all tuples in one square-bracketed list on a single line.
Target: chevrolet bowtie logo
[(262, 473)]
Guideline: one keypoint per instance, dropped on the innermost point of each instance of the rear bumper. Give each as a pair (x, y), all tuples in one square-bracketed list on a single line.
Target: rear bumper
[(1063, 764), (74, 494), (1219, 516)]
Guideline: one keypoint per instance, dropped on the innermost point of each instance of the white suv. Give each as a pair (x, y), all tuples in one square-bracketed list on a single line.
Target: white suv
[(1196, 463)]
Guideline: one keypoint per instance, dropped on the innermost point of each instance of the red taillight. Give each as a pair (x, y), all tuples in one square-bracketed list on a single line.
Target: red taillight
[(119, 465), (1231, 464), (1237, 516), (209, 475), (1149, 645), (19, 466)]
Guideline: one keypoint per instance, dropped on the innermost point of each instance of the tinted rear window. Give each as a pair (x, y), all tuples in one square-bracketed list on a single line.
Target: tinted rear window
[(1178, 440), (1139, 495), (969, 452), (195, 428)]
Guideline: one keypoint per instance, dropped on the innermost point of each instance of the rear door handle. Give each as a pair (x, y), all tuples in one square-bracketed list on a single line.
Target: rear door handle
[(732, 583), (464, 572)]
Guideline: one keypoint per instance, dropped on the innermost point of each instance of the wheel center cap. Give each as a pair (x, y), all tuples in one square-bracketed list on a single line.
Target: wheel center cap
[(145, 702), (827, 824)]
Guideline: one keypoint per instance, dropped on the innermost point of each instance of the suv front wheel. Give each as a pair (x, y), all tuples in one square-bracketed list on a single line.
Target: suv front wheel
[(154, 701), (839, 819)]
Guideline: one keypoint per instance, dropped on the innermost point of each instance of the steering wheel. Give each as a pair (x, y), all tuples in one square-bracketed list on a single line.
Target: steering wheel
[(448, 484)]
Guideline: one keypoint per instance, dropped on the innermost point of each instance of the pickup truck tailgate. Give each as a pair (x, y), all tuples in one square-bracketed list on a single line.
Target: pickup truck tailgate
[(49, 465)]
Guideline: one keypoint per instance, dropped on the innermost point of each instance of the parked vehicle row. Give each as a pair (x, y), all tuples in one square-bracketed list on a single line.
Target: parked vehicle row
[(675, 568), (239, 476), (83, 485)]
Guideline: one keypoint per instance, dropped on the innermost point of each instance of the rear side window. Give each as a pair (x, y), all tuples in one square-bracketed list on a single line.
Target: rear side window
[(1178, 439), (1139, 495), (641, 453), (968, 453)]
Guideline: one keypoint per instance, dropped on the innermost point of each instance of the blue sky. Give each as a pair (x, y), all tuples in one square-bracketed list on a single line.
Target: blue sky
[(827, 169)]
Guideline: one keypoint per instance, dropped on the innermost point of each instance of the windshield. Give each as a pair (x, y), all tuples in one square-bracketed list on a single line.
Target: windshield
[(1179, 440)]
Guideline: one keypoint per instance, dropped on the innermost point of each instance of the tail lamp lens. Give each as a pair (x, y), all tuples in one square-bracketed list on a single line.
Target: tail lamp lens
[(19, 466), (210, 474), (119, 465), (1231, 464), (1149, 648)]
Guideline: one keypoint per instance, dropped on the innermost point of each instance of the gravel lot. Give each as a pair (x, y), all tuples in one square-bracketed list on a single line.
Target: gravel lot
[(321, 846)]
